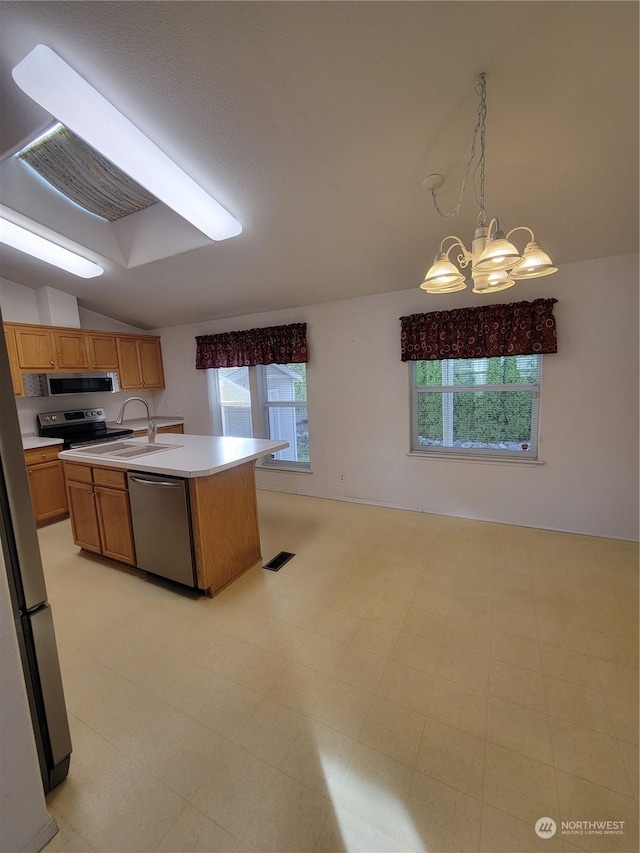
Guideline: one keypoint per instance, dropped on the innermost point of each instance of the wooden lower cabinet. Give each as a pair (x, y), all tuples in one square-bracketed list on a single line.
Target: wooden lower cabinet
[(46, 484), (226, 535), (100, 512), (114, 521), (224, 519), (84, 518)]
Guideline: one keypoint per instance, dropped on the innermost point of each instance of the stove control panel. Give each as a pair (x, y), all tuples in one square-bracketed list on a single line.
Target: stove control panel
[(80, 416)]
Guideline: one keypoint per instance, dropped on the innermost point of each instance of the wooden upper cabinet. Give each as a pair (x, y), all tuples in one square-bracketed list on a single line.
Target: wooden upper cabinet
[(51, 349), (45, 350), (140, 361), (35, 348), (129, 363), (102, 351), (151, 363), (16, 376), (71, 350)]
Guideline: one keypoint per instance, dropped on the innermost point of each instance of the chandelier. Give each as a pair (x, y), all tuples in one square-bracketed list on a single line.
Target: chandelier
[(496, 263)]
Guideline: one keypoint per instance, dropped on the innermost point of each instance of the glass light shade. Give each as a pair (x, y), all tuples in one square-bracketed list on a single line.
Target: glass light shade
[(499, 254), (442, 274), (492, 282), (38, 247), (535, 263), (446, 288), (57, 88)]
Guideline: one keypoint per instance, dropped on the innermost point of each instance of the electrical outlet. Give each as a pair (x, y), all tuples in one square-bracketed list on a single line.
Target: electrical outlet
[(343, 479)]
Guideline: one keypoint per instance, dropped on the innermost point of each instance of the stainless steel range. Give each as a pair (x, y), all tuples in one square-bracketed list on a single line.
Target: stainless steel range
[(80, 427)]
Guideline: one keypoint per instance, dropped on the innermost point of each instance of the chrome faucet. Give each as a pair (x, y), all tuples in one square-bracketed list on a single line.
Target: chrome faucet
[(152, 427)]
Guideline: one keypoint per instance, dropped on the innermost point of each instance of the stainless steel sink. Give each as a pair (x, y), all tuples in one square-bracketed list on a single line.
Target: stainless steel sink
[(124, 449), (144, 449), (105, 448)]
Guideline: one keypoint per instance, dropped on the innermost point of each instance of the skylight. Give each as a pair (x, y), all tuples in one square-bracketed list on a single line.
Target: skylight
[(83, 175)]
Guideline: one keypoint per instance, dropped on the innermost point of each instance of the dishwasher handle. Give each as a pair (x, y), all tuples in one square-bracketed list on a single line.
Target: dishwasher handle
[(164, 483)]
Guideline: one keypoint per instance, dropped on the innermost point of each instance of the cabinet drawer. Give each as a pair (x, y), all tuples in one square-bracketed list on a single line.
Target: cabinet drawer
[(110, 477), (41, 454), (78, 472)]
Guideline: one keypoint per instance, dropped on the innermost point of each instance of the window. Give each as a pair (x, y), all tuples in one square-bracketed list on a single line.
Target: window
[(265, 401), (476, 406), (234, 401)]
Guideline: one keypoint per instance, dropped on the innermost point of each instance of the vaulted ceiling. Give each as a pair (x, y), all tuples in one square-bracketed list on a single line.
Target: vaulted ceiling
[(314, 124)]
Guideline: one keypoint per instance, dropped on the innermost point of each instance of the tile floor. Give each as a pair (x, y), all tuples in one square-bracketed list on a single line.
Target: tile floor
[(406, 683)]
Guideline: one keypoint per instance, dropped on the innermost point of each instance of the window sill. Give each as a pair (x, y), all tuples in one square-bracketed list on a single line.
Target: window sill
[(469, 457), (284, 469)]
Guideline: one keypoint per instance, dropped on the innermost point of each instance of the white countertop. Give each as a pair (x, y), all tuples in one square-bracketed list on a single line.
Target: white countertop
[(193, 455), (29, 442), (141, 423)]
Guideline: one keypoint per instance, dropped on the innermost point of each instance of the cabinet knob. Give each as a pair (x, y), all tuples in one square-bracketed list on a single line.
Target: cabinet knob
[(51, 363), (44, 455), (94, 363)]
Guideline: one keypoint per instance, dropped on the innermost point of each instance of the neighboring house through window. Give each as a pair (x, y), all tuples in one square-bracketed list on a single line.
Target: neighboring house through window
[(264, 401), (257, 382)]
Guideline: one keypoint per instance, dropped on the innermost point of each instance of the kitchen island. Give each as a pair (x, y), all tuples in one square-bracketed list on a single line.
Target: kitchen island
[(217, 477)]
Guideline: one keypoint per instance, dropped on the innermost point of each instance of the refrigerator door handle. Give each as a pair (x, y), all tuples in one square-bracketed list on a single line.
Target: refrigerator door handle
[(40, 624)]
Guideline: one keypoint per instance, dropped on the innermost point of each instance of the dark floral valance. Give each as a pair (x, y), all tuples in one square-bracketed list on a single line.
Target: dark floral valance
[(271, 345), (518, 328)]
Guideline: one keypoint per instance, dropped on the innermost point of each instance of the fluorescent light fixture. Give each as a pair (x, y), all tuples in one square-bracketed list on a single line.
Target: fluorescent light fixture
[(31, 244), (50, 82)]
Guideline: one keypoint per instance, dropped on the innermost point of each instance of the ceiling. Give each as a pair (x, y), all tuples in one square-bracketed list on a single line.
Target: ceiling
[(314, 124)]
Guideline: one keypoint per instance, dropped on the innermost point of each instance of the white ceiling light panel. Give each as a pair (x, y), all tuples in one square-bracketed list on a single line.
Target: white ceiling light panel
[(57, 88), (45, 250)]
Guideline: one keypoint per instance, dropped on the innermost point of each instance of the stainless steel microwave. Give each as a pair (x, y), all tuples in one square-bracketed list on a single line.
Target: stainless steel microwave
[(59, 384)]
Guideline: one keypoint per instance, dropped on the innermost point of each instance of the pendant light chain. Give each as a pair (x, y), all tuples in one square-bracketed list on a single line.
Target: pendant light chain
[(482, 117), (481, 129)]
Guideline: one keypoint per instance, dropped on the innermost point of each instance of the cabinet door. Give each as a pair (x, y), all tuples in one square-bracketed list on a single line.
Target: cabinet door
[(35, 348), (48, 494), (114, 520), (16, 376), (103, 353), (84, 519), (129, 363), (151, 363), (71, 350)]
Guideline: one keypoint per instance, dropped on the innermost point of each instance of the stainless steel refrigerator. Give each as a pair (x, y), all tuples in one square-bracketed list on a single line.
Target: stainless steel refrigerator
[(31, 610)]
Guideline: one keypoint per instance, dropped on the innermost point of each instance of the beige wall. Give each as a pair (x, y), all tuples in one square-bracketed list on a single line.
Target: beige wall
[(359, 407)]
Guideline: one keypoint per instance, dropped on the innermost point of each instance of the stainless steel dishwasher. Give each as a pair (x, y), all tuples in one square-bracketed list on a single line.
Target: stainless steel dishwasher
[(162, 526)]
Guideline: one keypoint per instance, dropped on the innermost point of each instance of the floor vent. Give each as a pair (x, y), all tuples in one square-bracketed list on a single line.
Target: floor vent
[(278, 561)]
